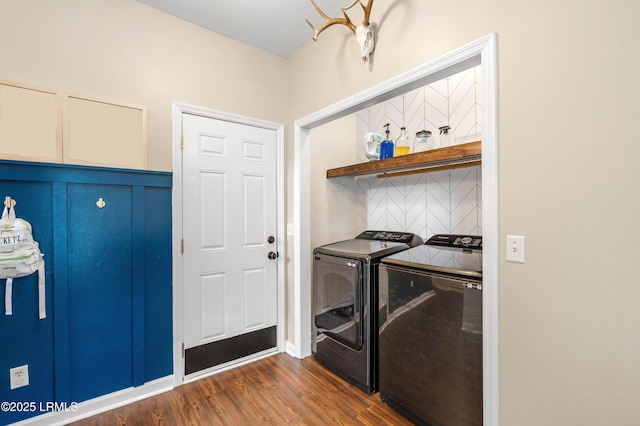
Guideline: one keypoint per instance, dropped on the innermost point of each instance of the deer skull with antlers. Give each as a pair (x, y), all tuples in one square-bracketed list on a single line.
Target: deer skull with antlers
[(363, 32)]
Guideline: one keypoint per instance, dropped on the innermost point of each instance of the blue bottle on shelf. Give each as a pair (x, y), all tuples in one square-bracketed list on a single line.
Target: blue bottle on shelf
[(386, 147)]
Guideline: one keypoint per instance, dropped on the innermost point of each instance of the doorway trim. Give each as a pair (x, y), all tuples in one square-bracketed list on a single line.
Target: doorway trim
[(178, 109), (481, 52)]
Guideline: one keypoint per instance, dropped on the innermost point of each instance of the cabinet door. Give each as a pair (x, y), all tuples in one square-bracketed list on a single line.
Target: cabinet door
[(30, 124), (100, 290), (104, 133)]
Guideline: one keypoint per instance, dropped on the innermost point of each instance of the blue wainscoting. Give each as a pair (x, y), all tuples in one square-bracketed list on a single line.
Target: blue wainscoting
[(108, 284)]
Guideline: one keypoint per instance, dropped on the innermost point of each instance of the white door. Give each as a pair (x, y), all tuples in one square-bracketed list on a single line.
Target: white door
[(229, 230)]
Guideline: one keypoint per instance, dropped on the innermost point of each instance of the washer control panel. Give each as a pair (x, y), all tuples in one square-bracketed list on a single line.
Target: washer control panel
[(456, 241)]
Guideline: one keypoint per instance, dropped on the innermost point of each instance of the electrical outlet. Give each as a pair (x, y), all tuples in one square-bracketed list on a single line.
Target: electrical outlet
[(19, 376), (515, 249)]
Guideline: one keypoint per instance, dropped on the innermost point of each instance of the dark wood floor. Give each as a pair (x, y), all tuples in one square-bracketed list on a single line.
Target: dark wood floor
[(277, 390)]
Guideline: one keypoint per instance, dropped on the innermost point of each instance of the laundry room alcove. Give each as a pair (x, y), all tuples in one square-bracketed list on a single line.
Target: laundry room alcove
[(426, 193), (330, 209)]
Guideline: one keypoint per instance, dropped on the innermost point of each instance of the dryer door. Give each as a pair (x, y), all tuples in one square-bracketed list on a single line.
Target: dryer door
[(338, 299)]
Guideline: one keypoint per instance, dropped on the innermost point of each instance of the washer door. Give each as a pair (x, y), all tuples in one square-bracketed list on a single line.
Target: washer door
[(338, 299)]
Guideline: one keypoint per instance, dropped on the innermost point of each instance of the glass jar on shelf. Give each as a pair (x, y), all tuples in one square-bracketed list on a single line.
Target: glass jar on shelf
[(423, 141)]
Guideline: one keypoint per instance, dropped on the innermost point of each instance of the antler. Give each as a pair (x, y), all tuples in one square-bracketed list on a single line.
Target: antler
[(344, 21), (367, 12)]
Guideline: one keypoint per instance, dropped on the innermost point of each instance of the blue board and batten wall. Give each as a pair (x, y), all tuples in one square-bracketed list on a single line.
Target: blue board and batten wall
[(108, 284)]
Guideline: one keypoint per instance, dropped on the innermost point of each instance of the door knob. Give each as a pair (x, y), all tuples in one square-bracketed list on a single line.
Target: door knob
[(271, 239), (272, 255)]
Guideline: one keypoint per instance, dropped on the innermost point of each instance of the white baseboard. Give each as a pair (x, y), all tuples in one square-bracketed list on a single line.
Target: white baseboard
[(291, 349), (101, 404)]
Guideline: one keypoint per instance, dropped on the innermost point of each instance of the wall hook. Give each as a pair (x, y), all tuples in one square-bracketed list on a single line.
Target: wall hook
[(100, 203), (9, 202)]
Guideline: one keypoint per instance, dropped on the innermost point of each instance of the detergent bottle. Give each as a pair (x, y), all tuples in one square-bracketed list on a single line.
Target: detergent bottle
[(386, 147)]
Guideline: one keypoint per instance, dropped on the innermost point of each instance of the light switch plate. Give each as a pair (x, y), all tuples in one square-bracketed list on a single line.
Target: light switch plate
[(515, 248), (290, 229)]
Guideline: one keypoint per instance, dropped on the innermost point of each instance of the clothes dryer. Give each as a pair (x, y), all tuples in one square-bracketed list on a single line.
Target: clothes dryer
[(345, 303)]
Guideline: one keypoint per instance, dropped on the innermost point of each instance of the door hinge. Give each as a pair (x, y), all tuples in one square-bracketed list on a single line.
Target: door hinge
[(182, 141), (182, 246), (182, 349)]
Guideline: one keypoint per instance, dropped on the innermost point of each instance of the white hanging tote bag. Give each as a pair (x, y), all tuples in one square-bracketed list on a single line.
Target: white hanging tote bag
[(19, 256)]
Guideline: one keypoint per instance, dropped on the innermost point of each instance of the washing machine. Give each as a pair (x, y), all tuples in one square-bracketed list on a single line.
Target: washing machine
[(430, 336)]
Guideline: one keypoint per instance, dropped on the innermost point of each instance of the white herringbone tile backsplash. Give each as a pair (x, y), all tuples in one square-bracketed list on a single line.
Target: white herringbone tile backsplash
[(446, 201)]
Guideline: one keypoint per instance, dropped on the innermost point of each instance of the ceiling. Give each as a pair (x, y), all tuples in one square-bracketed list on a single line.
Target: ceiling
[(276, 26)]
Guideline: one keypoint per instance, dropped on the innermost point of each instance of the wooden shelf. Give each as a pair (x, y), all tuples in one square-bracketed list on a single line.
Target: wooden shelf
[(464, 155)]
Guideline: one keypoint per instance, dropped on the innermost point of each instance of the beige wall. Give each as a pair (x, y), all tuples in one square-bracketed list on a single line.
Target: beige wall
[(333, 201), (124, 51), (568, 101)]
